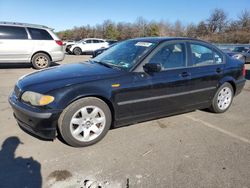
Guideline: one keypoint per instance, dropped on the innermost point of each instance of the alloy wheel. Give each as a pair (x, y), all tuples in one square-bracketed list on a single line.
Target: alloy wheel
[(87, 123)]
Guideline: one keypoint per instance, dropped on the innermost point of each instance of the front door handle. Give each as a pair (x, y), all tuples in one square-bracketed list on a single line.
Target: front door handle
[(184, 74)]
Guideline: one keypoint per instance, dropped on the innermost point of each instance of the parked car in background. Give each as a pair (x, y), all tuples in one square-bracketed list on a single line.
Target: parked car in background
[(87, 46), (135, 80), (68, 45), (68, 42), (35, 44), (111, 42), (241, 52), (101, 50)]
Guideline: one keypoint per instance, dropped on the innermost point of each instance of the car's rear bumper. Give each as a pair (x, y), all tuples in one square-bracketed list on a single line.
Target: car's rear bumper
[(57, 56), (39, 123), (239, 86)]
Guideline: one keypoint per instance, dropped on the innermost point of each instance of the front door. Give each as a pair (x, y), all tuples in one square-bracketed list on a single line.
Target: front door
[(165, 92)]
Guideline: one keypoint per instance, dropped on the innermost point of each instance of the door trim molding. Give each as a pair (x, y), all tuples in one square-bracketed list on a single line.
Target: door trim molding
[(164, 96)]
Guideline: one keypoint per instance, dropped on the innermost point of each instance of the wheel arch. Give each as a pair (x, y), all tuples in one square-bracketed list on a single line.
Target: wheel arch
[(104, 99), (230, 80), (44, 52)]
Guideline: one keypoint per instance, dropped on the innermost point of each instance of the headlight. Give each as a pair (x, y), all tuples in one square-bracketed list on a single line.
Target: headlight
[(37, 99)]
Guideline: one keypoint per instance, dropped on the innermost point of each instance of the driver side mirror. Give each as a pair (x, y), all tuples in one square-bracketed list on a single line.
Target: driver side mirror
[(152, 67)]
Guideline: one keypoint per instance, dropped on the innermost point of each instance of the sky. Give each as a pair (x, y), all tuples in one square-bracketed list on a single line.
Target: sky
[(65, 14)]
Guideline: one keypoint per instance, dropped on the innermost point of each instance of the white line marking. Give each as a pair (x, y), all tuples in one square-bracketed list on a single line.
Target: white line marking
[(219, 129)]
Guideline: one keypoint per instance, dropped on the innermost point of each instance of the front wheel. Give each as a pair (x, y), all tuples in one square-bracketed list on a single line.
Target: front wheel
[(223, 98), (85, 122), (77, 51)]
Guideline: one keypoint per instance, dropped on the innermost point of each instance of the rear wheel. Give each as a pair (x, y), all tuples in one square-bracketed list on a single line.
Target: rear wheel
[(77, 51), (223, 98), (40, 61), (85, 122)]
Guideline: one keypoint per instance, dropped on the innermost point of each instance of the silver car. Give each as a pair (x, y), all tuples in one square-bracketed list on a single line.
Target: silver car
[(29, 43)]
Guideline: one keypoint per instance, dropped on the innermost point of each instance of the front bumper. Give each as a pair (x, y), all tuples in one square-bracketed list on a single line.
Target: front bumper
[(37, 122)]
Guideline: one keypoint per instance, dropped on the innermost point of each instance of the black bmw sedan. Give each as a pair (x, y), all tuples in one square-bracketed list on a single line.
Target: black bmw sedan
[(135, 80)]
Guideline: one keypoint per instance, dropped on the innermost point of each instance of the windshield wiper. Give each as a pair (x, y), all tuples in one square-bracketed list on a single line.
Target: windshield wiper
[(101, 63), (109, 65)]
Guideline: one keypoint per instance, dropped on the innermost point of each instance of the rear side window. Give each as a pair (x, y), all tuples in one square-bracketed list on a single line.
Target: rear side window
[(12, 32), (39, 34), (202, 55)]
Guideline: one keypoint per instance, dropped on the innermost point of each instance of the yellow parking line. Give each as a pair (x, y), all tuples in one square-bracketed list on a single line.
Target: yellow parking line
[(219, 129)]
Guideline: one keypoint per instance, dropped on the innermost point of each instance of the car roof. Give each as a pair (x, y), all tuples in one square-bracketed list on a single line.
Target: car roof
[(93, 39), (163, 39), (25, 25)]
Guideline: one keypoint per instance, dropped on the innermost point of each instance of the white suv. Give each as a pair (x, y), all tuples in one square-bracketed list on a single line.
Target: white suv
[(88, 45), (30, 43)]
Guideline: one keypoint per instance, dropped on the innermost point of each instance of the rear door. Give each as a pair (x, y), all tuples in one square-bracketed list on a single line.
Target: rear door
[(42, 41), (206, 66), (15, 44)]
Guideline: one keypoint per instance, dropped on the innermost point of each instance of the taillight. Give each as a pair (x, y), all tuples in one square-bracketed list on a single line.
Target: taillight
[(59, 42), (244, 71)]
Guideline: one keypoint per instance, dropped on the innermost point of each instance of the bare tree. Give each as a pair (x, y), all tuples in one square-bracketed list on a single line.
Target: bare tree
[(216, 28), (217, 21)]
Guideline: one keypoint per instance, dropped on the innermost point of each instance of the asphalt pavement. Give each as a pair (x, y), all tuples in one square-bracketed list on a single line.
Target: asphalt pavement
[(196, 149)]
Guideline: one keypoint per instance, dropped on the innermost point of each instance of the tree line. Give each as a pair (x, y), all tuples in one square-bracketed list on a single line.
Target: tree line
[(218, 28)]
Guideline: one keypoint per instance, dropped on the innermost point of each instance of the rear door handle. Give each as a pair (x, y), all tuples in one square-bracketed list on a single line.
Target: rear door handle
[(184, 74), (218, 70)]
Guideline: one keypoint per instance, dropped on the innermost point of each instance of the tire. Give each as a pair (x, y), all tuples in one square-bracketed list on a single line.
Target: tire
[(77, 51), (85, 122), (223, 98), (67, 49), (41, 61)]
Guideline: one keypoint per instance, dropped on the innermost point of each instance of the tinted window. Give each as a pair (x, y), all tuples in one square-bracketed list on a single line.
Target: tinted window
[(97, 41), (11, 32), (39, 34), (88, 41), (170, 56)]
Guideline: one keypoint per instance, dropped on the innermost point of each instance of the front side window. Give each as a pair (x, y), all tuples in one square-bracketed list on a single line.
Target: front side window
[(170, 56), (125, 54), (39, 34), (88, 41), (12, 32)]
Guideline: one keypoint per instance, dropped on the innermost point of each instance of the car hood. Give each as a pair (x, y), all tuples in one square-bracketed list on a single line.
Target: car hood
[(65, 75)]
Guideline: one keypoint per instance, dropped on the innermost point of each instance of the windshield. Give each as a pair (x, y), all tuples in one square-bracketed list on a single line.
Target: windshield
[(125, 54)]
